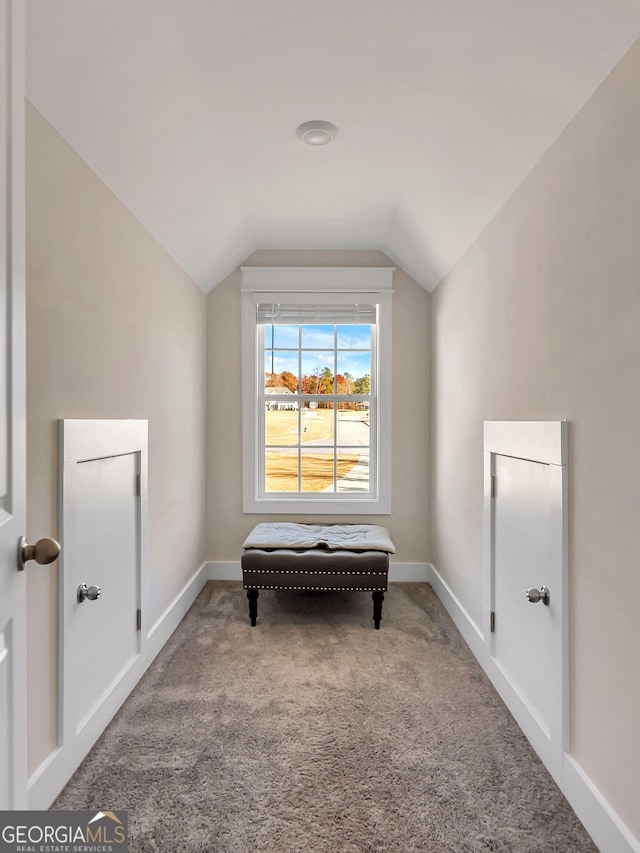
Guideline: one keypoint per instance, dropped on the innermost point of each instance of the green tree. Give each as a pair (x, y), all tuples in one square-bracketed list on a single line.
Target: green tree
[(363, 385), (325, 383)]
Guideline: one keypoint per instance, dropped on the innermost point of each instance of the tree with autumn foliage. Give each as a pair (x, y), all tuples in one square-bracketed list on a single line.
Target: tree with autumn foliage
[(289, 381), (321, 381), (281, 380), (345, 383)]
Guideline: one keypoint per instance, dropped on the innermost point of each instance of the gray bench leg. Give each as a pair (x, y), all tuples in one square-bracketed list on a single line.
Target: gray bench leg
[(378, 598), (252, 595)]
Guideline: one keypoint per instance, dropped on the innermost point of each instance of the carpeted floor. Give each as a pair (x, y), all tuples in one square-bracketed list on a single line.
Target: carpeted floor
[(314, 732)]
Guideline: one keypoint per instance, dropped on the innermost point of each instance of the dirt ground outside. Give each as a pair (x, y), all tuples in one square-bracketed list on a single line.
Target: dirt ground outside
[(317, 426), (281, 473), (281, 427)]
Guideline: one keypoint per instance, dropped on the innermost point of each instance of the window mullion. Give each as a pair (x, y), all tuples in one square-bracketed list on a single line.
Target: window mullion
[(260, 417), (299, 448), (335, 409)]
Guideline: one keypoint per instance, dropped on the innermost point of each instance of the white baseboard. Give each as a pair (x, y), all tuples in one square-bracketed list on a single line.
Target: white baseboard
[(56, 770), (219, 571), (603, 824), (601, 821), (164, 627), (472, 635), (398, 572), (409, 572)]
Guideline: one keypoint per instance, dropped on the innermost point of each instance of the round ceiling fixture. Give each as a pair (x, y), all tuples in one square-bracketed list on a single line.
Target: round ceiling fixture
[(317, 132)]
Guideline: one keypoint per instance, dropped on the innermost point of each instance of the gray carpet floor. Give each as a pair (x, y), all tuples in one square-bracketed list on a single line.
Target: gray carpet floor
[(314, 732)]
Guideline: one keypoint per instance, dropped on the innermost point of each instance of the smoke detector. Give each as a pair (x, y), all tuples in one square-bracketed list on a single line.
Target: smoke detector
[(317, 132)]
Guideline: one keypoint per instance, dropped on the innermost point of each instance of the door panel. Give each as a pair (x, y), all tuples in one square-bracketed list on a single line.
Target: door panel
[(5, 706), (105, 553), (12, 411), (525, 633)]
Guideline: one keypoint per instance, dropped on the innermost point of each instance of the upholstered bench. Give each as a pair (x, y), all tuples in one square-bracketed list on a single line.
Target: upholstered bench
[(284, 555)]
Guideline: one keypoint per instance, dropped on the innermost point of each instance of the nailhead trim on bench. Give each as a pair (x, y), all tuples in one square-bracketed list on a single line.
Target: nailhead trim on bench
[(323, 588), (306, 572)]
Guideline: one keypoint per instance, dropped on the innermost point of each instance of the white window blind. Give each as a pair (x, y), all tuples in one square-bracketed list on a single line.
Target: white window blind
[(297, 313)]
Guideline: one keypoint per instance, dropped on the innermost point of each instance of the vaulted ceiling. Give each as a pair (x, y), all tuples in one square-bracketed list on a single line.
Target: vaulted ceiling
[(187, 110)]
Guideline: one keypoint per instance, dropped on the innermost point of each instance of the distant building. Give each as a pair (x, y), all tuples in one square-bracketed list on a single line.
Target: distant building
[(279, 405)]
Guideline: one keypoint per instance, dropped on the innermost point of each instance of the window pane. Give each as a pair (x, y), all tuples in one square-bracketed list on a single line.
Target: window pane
[(318, 337), (284, 337), (356, 479), (353, 367), (354, 337), (317, 470), (281, 471), (317, 373), (281, 370), (318, 424), (353, 427), (281, 423)]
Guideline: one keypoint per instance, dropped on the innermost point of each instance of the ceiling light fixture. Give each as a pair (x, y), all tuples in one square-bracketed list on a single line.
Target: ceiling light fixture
[(317, 132)]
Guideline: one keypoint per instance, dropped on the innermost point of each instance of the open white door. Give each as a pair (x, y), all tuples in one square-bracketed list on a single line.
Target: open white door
[(13, 740)]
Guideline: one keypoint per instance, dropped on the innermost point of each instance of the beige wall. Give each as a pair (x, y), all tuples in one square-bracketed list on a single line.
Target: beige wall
[(408, 522), (541, 320), (114, 329)]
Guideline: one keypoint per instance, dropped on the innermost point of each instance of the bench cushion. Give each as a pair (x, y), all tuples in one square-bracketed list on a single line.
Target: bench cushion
[(340, 537)]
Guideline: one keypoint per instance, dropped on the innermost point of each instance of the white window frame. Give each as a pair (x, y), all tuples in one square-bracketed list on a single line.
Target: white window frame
[(327, 285)]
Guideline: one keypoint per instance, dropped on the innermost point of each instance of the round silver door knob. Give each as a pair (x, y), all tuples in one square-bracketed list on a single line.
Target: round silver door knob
[(90, 592), (535, 595), (45, 551)]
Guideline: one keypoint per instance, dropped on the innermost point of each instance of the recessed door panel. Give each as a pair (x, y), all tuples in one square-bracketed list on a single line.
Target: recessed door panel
[(525, 632), (5, 707), (105, 554)]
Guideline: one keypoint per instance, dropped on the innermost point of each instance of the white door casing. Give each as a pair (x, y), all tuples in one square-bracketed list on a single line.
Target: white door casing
[(13, 710), (526, 546)]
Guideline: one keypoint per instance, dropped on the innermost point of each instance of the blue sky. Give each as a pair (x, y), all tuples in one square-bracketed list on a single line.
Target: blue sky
[(317, 349), (319, 337)]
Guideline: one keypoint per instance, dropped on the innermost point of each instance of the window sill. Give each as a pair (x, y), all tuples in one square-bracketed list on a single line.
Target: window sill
[(299, 506)]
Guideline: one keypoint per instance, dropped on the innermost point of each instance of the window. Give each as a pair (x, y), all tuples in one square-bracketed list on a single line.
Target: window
[(316, 371)]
